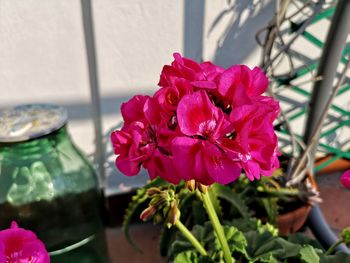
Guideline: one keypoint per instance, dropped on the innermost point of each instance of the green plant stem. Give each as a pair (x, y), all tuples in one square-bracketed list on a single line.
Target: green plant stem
[(332, 248), (190, 237), (217, 227)]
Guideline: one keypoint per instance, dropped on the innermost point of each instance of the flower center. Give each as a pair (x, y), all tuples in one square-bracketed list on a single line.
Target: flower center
[(207, 128)]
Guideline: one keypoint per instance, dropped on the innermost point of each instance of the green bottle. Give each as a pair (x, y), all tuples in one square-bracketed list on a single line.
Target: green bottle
[(48, 186)]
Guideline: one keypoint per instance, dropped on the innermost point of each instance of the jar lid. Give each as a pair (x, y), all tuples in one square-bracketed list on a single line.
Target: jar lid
[(26, 122)]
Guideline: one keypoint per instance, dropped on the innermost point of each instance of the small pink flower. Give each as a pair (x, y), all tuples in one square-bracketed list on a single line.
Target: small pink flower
[(133, 109), (198, 75), (180, 68), (197, 115), (203, 161), (133, 144), (18, 245), (168, 97), (345, 179), (255, 140), (162, 165), (240, 85), (200, 155)]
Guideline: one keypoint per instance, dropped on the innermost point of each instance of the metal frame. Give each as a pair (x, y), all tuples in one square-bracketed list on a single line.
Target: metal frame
[(332, 52), (99, 155)]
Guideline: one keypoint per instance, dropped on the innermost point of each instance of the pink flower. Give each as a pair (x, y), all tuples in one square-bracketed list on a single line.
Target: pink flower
[(133, 109), (144, 140), (204, 123), (200, 156), (198, 75), (180, 68), (133, 144), (240, 85), (168, 97), (18, 245), (255, 141), (345, 179), (162, 165)]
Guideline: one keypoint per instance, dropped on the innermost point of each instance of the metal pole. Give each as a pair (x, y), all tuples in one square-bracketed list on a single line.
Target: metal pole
[(332, 52), (94, 87)]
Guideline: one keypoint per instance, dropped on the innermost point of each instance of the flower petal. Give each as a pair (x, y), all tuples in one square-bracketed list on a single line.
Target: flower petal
[(133, 109), (185, 152), (196, 114), (220, 168)]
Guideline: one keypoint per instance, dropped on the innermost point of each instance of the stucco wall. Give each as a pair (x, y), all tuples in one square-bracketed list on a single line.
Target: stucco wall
[(42, 50)]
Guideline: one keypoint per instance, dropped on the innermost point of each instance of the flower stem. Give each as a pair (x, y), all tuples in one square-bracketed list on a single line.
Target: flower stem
[(332, 248), (190, 237), (217, 226)]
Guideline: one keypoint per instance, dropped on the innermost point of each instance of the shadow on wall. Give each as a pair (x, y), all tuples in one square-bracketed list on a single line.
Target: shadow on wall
[(237, 41)]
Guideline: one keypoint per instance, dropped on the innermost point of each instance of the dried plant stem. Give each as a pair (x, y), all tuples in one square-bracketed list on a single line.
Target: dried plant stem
[(296, 178), (298, 33)]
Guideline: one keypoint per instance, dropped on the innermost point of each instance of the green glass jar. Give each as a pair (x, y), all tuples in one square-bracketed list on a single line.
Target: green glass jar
[(48, 186)]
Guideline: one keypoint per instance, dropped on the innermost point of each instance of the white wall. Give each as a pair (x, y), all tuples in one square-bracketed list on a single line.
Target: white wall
[(42, 50)]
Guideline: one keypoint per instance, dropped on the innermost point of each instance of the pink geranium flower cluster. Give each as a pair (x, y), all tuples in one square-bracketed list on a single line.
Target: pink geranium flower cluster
[(18, 245), (204, 123)]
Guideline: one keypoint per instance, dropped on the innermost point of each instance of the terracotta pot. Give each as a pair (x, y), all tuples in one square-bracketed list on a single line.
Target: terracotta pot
[(291, 222)]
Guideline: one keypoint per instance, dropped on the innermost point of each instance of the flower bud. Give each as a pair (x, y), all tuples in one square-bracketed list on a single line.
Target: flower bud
[(148, 213), (202, 188), (153, 191), (173, 215), (191, 185), (157, 201), (345, 235)]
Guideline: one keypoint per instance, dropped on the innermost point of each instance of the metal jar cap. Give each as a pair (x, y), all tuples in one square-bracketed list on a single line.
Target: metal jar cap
[(27, 122)]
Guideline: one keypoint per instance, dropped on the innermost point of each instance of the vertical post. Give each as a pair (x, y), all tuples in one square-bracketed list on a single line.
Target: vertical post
[(94, 87), (193, 29), (332, 52)]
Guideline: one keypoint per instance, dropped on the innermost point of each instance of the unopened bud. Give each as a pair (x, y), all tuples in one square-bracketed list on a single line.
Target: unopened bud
[(157, 201), (202, 188), (174, 214), (191, 185), (148, 213), (345, 235), (153, 191)]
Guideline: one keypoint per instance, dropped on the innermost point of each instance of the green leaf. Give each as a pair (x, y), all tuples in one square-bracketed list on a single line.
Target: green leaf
[(235, 238), (192, 257), (308, 255), (250, 224), (301, 239), (186, 257), (268, 248), (226, 193)]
